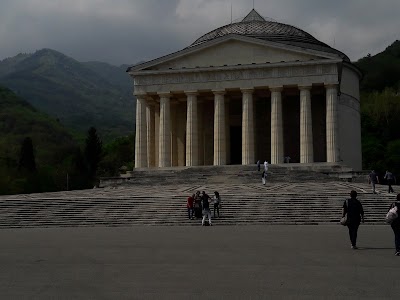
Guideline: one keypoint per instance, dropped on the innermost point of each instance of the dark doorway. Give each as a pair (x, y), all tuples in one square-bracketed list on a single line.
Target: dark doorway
[(236, 145)]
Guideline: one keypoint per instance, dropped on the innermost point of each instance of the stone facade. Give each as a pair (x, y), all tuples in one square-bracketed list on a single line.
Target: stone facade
[(238, 99)]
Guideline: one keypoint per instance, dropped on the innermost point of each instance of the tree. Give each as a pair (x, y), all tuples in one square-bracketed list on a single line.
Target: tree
[(93, 151), (27, 156)]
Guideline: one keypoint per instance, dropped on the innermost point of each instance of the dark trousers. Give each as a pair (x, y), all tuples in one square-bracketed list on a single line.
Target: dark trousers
[(396, 231), (190, 212), (216, 208), (353, 229), (390, 182)]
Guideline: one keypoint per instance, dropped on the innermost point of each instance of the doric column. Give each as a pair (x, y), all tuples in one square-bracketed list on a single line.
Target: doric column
[(192, 134), (141, 133), (150, 117), (219, 129), (165, 131), (332, 147), (306, 134), (247, 128), (276, 126)]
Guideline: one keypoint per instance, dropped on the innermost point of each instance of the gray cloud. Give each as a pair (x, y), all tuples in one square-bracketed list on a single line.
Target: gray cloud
[(128, 31)]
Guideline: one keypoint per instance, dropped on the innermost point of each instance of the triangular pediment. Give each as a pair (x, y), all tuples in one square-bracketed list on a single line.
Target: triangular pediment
[(233, 51)]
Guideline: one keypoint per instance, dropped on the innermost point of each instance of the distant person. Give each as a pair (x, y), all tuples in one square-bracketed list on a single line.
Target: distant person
[(258, 165), (373, 180), (206, 208), (197, 205), (287, 159), (389, 177), (264, 177), (217, 203), (265, 166), (190, 207), (355, 215), (396, 225)]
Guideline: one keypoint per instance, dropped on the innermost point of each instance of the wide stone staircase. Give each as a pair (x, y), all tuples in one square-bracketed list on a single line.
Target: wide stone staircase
[(245, 201)]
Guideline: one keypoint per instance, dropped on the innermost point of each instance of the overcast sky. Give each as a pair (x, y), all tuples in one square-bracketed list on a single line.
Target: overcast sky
[(129, 31)]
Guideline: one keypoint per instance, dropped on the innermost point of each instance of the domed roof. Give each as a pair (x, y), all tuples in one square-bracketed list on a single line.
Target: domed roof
[(255, 26)]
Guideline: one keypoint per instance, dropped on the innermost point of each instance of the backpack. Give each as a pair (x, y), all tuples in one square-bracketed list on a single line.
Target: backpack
[(392, 215)]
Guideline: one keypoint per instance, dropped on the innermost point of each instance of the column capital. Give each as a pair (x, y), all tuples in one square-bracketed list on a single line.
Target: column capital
[(304, 87), (219, 92), (276, 88), (331, 85), (164, 95), (247, 91), (191, 93), (142, 96)]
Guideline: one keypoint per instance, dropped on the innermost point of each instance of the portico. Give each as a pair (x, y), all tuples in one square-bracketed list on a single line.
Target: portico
[(237, 99)]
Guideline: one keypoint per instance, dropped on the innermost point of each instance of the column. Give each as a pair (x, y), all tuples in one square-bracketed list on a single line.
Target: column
[(150, 117), (276, 126), (165, 131), (332, 147), (141, 133), (192, 134), (306, 134), (247, 127), (219, 129)]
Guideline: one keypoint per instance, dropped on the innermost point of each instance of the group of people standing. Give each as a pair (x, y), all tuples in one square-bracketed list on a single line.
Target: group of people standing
[(354, 212), (198, 206)]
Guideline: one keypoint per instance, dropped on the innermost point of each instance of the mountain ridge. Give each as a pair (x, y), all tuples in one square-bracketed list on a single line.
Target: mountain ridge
[(79, 94)]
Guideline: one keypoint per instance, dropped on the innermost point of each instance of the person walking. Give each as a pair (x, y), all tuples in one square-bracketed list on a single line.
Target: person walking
[(390, 180), (190, 207), (217, 203), (206, 208), (355, 215), (265, 166), (373, 179), (258, 165), (396, 225), (264, 177)]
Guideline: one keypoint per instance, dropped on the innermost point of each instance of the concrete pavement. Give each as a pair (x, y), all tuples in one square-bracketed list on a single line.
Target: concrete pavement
[(219, 262)]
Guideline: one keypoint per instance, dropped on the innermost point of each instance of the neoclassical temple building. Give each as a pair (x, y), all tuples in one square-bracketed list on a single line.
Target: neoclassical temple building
[(252, 90)]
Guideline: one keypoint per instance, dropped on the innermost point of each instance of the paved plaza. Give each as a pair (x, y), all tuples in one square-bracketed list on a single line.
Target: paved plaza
[(219, 262)]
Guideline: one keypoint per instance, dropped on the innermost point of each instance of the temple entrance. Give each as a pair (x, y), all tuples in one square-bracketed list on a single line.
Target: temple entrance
[(236, 145)]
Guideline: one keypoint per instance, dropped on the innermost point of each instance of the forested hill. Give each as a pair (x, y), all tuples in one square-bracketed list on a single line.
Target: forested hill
[(380, 110), (381, 70), (52, 143), (79, 94)]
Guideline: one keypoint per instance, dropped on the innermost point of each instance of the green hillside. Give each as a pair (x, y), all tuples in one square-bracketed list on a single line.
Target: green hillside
[(380, 109), (382, 70), (79, 95), (53, 145)]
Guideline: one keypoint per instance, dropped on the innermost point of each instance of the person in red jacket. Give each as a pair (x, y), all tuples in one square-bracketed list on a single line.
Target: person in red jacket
[(189, 205)]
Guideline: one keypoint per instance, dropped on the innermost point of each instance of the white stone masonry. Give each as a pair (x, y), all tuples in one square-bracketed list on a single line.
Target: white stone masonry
[(306, 133), (276, 126)]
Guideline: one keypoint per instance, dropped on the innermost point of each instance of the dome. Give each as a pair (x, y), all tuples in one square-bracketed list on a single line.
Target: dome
[(255, 26)]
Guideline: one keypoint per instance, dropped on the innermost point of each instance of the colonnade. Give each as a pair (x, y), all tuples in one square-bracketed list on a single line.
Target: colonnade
[(147, 146)]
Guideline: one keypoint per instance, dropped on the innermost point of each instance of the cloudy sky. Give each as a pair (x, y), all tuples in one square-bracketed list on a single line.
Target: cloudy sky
[(129, 31)]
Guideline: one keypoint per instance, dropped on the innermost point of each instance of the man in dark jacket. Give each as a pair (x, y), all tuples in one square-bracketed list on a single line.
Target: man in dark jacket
[(396, 225), (355, 215)]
